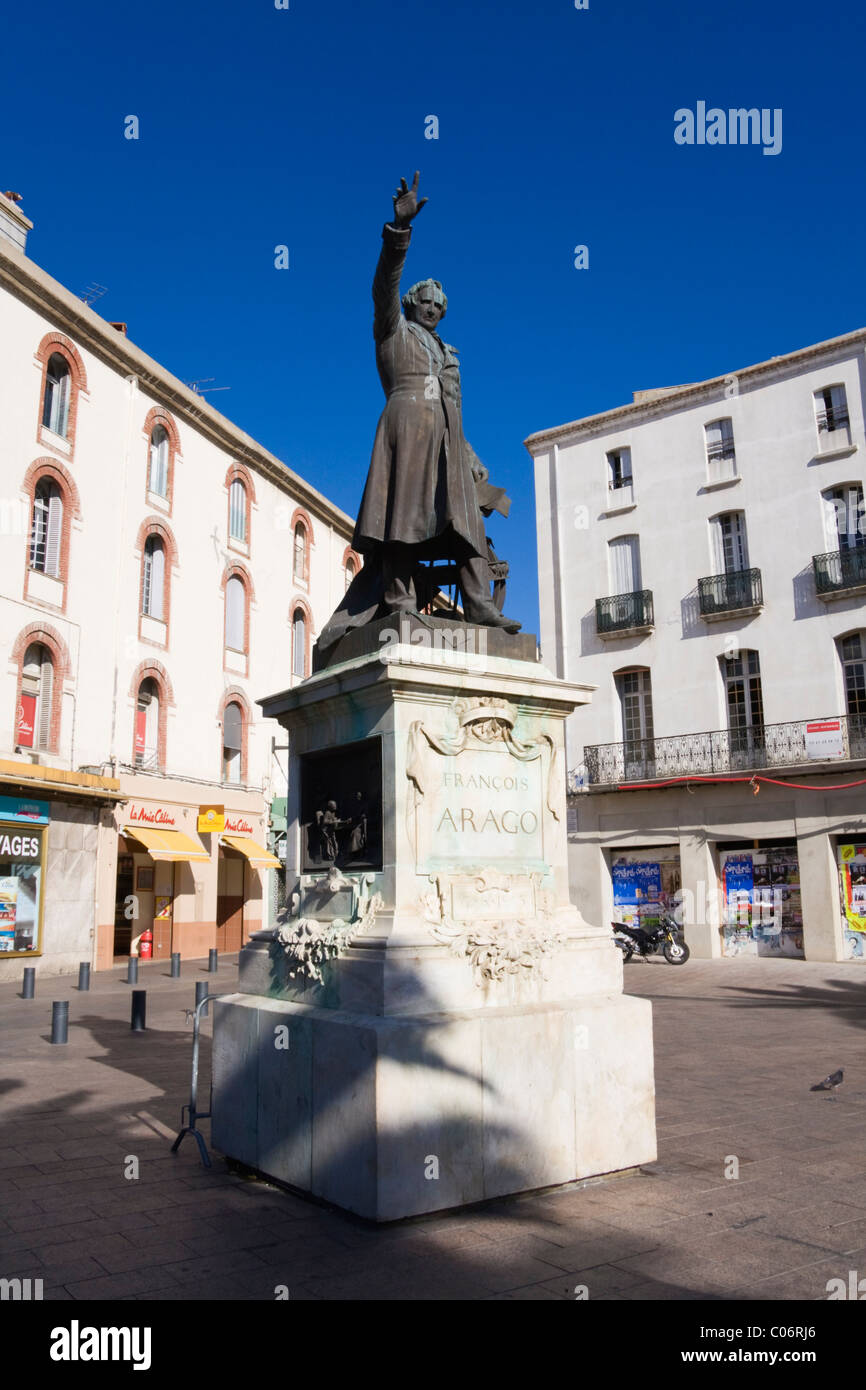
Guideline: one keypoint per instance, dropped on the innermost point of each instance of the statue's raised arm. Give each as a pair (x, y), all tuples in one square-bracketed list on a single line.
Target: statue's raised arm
[(395, 244)]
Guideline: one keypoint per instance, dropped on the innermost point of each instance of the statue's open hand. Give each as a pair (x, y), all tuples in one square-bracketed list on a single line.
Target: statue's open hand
[(406, 203)]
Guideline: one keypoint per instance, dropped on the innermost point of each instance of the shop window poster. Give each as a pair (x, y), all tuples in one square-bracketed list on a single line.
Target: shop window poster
[(852, 886), (8, 912), (763, 914), (643, 890)]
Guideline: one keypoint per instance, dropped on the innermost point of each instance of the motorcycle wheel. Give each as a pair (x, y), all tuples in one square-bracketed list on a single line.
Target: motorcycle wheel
[(676, 952), (627, 952)]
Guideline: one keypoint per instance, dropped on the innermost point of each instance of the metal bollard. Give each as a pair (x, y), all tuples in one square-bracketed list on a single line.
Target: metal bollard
[(84, 975), (139, 1011), (60, 1021), (132, 971), (212, 958), (175, 965), (28, 988), (202, 990)]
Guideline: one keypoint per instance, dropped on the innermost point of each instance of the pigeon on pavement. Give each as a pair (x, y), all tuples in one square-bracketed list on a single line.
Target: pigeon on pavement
[(830, 1082)]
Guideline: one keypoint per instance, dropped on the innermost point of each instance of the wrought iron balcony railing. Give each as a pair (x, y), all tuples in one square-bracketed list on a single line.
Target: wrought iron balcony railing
[(624, 612), (725, 593), (839, 570), (833, 419), (723, 750)]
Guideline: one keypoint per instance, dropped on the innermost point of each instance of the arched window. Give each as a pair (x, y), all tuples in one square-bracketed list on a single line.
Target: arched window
[(299, 566), (157, 480), (46, 530), (146, 752), (350, 572), (33, 728), (237, 511), (55, 405), (153, 579), (299, 643), (235, 614), (233, 742)]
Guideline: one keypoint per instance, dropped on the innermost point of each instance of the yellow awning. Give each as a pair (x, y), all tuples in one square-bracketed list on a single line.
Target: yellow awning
[(259, 858), (170, 845)]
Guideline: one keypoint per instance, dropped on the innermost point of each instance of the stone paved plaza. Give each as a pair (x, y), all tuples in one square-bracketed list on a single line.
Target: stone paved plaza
[(738, 1044)]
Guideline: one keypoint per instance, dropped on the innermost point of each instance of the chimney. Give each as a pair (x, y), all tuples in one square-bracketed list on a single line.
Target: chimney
[(121, 327), (14, 226)]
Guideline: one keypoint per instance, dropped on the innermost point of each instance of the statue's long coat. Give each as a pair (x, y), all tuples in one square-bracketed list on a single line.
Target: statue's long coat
[(420, 482)]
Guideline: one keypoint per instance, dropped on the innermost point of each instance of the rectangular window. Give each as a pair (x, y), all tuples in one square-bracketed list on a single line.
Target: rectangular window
[(619, 469), (730, 554), (854, 668), (745, 706), (831, 409)]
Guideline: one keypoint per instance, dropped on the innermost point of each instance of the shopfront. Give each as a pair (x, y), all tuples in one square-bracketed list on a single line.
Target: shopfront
[(23, 834), (156, 887), (188, 876), (762, 912), (238, 882)]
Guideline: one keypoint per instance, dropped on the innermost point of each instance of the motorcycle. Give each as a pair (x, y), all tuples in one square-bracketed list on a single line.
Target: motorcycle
[(647, 941)]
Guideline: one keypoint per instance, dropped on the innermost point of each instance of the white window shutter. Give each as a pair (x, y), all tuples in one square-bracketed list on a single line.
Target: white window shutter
[(55, 531), (46, 690), (624, 560), (235, 614), (157, 581)]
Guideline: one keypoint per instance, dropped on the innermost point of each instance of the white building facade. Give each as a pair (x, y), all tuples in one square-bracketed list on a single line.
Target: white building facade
[(702, 562), (160, 571)]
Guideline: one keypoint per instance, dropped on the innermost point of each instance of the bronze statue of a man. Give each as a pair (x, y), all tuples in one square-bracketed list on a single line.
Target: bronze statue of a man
[(421, 500)]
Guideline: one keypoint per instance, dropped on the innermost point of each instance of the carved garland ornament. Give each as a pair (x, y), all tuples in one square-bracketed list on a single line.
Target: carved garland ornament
[(309, 944), (494, 949)]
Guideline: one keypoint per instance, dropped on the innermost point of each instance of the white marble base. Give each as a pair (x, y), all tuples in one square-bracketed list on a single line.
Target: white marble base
[(391, 1117)]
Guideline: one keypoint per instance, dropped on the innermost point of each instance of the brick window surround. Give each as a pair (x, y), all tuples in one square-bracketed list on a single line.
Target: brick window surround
[(350, 554), (233, 695), (298, 602), (239, 571), (301, 518), (64, 347), (155, 671), (156, 526), (238, 473), (57, 472), (50, 638), (159, 416)]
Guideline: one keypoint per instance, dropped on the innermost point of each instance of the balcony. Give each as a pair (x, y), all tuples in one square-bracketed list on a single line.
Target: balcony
[(624, 615), (738, 591), (727, 751), (840, 573)]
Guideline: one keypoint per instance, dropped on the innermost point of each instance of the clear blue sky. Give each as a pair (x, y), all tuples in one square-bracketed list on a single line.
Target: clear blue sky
[(261, 127)]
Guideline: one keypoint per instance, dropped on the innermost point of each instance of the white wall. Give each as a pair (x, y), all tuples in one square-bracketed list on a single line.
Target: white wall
[(781, 477)]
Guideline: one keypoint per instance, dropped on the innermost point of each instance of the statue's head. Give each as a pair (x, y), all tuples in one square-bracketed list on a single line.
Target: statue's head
[(425, 303)]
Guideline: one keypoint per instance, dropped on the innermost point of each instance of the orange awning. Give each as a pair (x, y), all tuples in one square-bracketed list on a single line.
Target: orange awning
[(171, 845), (259, 858)]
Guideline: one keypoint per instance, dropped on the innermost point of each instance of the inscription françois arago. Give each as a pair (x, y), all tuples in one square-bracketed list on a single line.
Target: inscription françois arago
[(499, 820)]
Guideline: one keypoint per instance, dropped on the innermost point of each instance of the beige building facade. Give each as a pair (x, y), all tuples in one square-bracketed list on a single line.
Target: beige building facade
[(160, 571)]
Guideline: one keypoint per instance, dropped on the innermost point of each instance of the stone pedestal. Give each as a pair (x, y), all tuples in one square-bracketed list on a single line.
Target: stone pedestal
[(435, 1024)]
